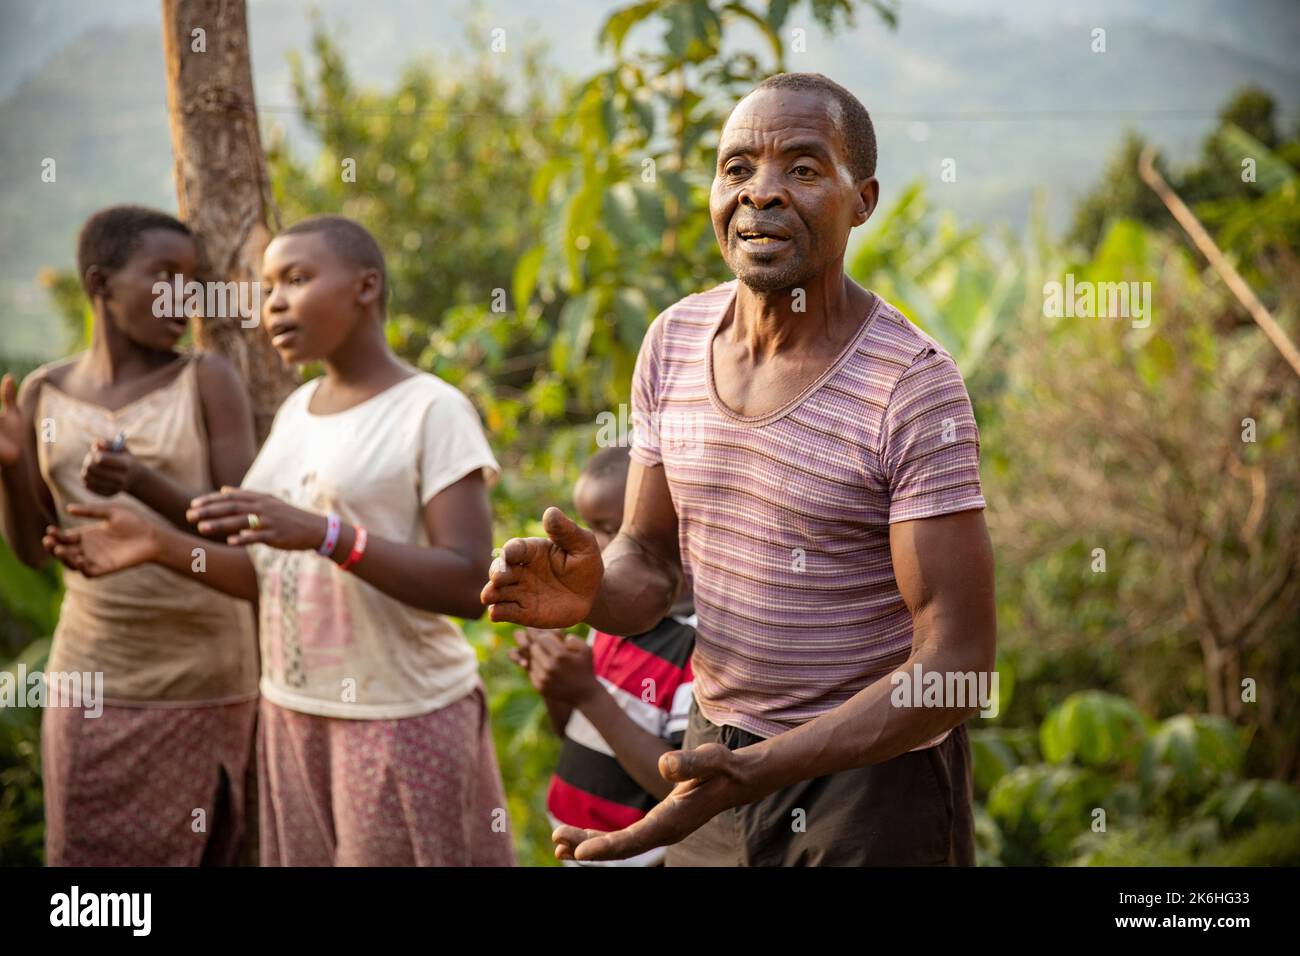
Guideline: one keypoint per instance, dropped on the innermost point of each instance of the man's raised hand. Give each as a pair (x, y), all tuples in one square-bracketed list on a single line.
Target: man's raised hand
[(546, 582)]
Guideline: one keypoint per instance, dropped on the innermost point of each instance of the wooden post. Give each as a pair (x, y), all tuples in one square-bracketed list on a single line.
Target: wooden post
[(1196, 232), (221, 180)]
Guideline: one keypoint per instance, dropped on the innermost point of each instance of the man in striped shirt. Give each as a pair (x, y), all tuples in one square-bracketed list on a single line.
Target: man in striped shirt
[(809, 459)]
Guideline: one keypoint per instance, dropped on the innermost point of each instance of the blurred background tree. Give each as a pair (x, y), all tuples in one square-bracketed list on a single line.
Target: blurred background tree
[(535, 224)]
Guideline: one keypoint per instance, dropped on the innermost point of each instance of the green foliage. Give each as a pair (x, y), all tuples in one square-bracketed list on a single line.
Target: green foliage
[(1189, 755), (1254, 230), (1252, 110), (29, 606), (993, 756), (1128, 440), (1098, 803), (989, 845), (1094, 729), (1120, 194), (943, 277), (1270, 845), (22, 814), (1247, 131), (70, 302), (1041, 809), (526, 747), (29, 599), (1248, 804)]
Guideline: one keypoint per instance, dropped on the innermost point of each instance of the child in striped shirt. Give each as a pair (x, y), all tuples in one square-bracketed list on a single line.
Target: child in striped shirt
[(620, 702)]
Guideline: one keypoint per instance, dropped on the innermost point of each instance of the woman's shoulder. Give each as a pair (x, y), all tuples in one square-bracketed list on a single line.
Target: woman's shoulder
[(427, 389), (55, 373), (218, 380), (295, 403)]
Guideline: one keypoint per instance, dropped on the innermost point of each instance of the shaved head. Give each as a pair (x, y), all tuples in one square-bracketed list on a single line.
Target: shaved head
[(349, 240)]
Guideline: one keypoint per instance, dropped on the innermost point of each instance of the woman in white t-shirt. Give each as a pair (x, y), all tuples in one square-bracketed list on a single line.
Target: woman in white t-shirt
[(363, 521)]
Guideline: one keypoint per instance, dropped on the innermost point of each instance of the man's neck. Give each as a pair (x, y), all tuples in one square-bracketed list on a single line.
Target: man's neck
[(810, 316)]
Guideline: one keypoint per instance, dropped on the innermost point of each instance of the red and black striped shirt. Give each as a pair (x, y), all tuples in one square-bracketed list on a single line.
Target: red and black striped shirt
[(650, 677)]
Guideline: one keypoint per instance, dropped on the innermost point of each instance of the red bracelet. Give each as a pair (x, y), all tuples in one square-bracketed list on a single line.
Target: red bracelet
[(358, 548)]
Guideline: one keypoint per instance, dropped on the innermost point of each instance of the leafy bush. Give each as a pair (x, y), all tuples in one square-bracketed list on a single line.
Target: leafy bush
[(22, 812), (1112, 794), (1093, 728), (1187, 756)]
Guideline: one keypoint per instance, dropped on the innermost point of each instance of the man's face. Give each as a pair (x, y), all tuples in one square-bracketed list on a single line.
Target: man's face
[(784, 197)]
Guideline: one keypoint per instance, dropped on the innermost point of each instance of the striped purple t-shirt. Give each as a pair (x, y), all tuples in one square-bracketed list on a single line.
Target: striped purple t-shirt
[(784, 518)]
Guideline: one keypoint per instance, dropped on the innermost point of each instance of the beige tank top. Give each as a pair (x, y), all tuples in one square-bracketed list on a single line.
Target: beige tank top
[(157, 637)]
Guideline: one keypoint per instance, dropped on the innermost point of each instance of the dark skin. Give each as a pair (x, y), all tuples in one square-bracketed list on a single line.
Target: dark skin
[(600, 504), (782, 206), (560, 665), (783, 170), (317, 306), (132, 354)]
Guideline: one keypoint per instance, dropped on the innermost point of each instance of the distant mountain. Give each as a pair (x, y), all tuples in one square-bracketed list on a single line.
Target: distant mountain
[(1268, 29), (1032, 107), (1010, 91)]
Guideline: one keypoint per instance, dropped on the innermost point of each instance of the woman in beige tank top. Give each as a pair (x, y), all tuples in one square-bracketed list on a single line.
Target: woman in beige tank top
[(146, 765)]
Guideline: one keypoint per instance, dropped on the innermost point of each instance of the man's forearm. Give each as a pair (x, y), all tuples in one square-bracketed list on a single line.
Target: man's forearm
[(637, 591), (866, 729)]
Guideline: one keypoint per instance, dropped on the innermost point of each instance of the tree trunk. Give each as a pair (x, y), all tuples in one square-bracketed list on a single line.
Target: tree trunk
[(221, 180), (224, 197)]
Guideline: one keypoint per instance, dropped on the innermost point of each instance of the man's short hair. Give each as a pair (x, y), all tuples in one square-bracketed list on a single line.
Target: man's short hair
[(855, 122), (351, 240), (108, 237)]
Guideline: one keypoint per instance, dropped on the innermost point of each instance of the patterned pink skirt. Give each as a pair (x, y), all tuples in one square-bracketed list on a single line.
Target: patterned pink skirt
[(416, 791), (145, 786)]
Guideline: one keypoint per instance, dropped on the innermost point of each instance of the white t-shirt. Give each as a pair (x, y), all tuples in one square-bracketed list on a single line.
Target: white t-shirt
[(332, 644)]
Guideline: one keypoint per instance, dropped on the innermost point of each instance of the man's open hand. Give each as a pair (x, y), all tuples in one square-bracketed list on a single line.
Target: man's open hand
[(546, 582), (709, 779)]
